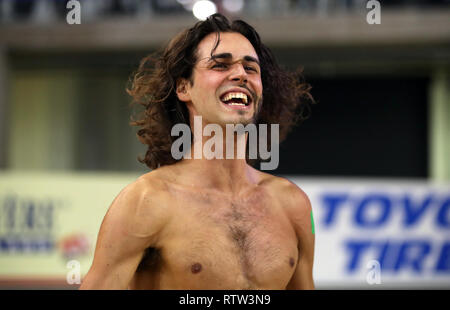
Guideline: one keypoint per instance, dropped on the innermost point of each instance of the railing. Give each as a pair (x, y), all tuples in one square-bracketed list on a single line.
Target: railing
[(53, 11)]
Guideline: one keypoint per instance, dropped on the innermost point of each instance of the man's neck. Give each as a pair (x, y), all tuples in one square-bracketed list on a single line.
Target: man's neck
[(225, 175), (222, 174)]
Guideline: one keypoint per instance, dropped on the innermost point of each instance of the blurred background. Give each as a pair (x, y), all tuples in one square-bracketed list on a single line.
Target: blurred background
[(374, 157)]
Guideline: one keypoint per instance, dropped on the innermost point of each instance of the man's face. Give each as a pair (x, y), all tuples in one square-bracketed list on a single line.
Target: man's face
[(227, 88)]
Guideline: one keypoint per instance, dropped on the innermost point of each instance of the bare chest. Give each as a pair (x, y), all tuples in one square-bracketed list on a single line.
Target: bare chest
[(220, 243)]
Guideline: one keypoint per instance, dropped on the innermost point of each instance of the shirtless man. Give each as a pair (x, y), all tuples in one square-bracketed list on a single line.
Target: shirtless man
[(199, 223)]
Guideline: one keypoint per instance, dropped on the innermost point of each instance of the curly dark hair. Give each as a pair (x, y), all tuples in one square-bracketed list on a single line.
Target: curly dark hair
[(286, 96)]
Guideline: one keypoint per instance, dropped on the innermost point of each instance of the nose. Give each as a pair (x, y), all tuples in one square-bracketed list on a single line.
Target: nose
[(238, 73)]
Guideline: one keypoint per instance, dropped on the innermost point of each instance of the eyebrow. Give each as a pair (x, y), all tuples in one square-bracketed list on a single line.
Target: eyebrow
[(229, 56)]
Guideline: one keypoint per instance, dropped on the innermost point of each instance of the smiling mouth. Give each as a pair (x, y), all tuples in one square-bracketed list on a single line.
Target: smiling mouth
[(236, 99)]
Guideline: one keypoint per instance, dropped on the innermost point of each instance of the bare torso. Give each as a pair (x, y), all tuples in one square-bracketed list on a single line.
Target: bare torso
[(214, 241)]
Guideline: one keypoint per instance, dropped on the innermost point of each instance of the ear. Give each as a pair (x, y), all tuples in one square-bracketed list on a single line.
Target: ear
[(182, 90)]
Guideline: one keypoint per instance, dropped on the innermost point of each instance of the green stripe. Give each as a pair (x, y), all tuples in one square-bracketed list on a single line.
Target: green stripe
[(312, 223)]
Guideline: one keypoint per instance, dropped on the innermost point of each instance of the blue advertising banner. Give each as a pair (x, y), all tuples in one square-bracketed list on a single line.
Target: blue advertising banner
[(391, 234)]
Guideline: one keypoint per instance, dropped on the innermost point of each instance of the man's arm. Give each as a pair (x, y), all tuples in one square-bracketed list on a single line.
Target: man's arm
[(301, 218), (130, 226)]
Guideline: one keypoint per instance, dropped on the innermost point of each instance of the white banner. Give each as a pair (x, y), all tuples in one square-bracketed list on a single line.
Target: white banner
[(380, 234), (49, 224)]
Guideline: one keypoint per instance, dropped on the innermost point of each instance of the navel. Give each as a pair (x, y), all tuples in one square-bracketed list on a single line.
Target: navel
[(291, 262), (196, 268)]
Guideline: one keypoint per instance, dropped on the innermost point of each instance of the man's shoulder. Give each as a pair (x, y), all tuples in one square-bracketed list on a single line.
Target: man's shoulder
[(280, 184), (159, 179), (146, 192), (144, 185), (292, 197), (151, 182)]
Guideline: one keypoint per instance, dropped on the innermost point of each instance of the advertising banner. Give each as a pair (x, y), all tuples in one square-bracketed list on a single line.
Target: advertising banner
[(380, 234), (49, 225)]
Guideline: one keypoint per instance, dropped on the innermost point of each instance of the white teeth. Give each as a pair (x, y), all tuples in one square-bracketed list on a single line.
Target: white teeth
[(236, 95)]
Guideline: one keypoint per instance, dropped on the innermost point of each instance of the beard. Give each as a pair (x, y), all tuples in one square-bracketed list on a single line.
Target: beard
[(241, 117), (254, 119), (243, 120), (257, 108)]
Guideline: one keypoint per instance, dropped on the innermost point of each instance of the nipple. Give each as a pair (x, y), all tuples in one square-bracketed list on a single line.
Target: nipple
[(196, 268), (291, 262)]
